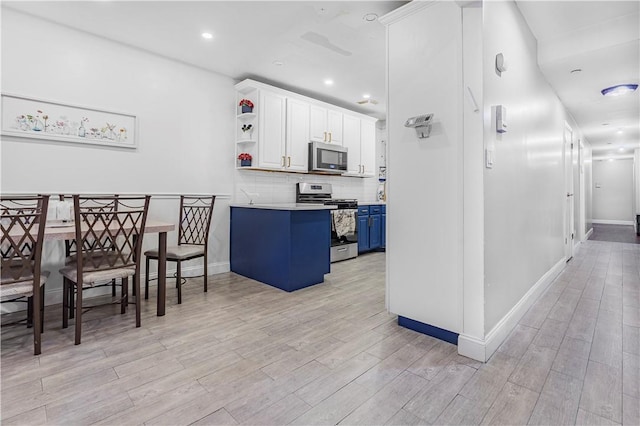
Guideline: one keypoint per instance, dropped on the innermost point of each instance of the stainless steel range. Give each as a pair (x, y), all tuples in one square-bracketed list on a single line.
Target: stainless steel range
[(344, 220)]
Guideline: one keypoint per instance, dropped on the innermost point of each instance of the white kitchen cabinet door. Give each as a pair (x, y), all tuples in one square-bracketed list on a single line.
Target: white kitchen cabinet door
[(368, 147), (325, 125), (351, 141), (318, 124), (272, 130), (297, 151), (335, 126)]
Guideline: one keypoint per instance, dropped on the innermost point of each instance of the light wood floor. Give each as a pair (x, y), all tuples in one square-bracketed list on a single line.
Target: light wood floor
[(248, 353)]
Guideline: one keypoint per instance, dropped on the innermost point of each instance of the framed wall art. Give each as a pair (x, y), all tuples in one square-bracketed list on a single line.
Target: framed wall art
[(33, 118)]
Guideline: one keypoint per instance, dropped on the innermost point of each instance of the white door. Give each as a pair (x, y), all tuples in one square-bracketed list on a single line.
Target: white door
[(271, 145), (297, 135), (351, 132), (569, 222)]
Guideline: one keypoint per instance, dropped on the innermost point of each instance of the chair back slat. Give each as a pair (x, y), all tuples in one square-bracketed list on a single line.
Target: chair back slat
[(195, 220), (22, 225), (110, 231), (95, 204)]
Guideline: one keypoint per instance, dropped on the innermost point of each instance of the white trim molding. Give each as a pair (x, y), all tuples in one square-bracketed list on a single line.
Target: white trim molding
[(613, 222), (406, 10), (588, 234), (481, 350)]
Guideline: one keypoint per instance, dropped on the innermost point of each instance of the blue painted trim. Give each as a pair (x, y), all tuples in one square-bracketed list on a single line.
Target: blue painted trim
[(420, 327)]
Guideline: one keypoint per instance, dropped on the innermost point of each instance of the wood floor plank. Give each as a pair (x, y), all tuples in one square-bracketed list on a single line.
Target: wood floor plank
[(434, 361), (382, 406), (602, 391), (558, 402), (586, 418), (220, 417), (430, 402), (533, 368), (335, 407), (280, 413), (513, 406), (325, 386), (518, 341)]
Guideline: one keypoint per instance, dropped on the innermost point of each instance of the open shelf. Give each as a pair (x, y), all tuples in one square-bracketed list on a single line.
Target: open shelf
[(247, 116)]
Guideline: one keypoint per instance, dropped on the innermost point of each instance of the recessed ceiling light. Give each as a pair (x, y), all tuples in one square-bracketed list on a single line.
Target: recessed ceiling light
[(366, 96), (328, 82), (278, 63), (207, 36), (370, 17), (619, 131), (621, 149), (577, 70), (610, 159), (620, 89)]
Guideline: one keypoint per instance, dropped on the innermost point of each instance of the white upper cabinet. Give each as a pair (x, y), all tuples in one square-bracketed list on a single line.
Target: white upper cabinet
[(351, 133), (368, 147), (360, 139), (277, 132), (297, 152), (325, 125), (272, 136)]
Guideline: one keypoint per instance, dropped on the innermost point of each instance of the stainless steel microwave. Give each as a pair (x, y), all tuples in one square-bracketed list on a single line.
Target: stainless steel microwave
[(324, 157)]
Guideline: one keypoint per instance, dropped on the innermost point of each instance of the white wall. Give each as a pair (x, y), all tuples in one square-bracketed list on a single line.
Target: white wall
[(524, 191), (588, 190), (185, 117), (424, 210), (613, 191)]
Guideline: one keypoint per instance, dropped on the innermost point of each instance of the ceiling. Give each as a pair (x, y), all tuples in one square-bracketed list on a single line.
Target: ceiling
[(312, 40), (602, 39), (299, 44)]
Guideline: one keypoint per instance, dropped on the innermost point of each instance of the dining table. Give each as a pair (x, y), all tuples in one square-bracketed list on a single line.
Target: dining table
[(54, 233)]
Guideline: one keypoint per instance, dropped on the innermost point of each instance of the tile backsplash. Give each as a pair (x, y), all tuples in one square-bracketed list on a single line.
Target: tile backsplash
[(274, 187)]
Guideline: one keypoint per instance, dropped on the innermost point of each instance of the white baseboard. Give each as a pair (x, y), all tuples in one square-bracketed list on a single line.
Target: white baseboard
[(588, 234), (481, 350), (613, 222)]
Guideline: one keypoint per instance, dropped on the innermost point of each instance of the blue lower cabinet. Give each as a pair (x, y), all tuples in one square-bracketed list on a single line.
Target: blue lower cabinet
[(383, 227), (363, 233), (371, 227), (283, 248)]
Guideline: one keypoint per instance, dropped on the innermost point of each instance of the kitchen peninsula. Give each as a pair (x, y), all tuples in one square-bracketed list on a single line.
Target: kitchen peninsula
[(283, 245)]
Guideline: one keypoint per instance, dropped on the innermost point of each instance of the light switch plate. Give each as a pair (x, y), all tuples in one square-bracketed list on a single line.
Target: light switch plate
[(488, 155)]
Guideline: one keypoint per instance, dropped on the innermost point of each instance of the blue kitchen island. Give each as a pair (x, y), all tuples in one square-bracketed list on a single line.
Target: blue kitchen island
[(284, 245)]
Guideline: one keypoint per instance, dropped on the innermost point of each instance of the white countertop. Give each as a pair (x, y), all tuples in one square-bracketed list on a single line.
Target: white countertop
[(285, 206), (371, 203)]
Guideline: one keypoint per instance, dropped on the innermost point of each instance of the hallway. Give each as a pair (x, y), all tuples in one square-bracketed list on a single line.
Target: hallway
[(614, 233), (246, 353)]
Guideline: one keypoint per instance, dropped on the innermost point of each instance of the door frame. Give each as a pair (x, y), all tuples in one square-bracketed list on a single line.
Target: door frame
[(569, 191)]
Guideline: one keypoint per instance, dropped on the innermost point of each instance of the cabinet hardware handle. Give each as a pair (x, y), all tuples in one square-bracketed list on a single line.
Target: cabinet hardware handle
[(342, 249), (325, 137), (330, 137), (289, 162), (283, 161)]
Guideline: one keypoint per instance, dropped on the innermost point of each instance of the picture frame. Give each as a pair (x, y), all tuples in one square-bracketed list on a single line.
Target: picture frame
[(33, 118)]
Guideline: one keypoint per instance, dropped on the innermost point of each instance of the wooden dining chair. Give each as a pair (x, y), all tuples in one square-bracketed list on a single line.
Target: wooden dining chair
[(193, 239), (23, 222), (109, 243)]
